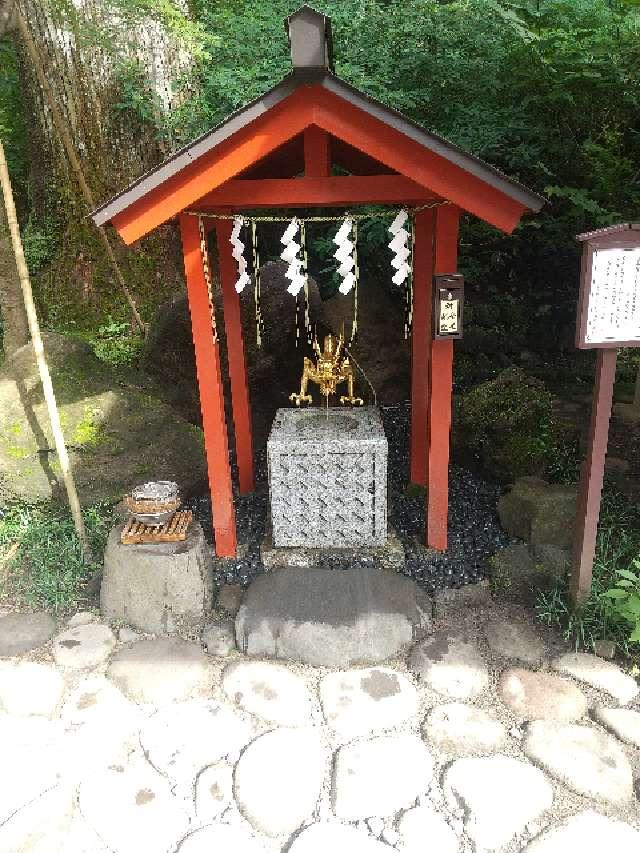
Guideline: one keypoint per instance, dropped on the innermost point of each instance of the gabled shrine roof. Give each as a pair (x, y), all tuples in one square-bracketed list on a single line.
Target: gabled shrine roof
[(314, 75)]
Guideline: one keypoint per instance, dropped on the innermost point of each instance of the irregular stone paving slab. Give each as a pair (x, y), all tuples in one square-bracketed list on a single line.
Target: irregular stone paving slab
[(32, 753), (325, 837), (279, 778), (624, 724), (460, 729), (84, 617), (366, 700), (182, 740), (130, 807), (587, 832), (516, 640), (587, 760), (83, 647), (451, 665), (230, 598), (30, 688), (328, 618), (222, 838), (269, 690), (160, 671), (417, 825), (42, 826), (213, 791), (22, 632), (378, 777), (500, 795), (97, 700), (541, 696), (81, 838), (599, 673)]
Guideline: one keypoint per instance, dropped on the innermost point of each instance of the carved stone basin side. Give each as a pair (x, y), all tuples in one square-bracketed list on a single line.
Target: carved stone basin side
[(329, 423)]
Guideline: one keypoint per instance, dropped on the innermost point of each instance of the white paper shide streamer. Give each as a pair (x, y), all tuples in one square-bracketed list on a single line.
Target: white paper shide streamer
[(345, 254), (238, 254), (295, 271), (399, 247)]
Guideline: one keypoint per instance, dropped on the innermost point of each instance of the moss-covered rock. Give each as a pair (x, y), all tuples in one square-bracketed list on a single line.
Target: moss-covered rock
[(505, 427), (116, 435)]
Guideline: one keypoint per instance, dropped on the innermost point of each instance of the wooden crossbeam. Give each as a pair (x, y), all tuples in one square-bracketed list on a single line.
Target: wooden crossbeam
[(315, 192)]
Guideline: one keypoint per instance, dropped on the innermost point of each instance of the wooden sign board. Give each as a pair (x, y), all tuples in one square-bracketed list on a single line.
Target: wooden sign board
[(609, 304), (448, 308)]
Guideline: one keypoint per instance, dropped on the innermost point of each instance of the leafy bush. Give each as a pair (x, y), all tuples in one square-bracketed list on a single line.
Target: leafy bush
[(117, 344), (40, 555), (625, 598), (506, 427), (617, 549)]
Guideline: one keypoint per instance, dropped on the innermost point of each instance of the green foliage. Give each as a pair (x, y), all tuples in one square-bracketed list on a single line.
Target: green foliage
[(599, 617), (507, 426), (625, 598), (116, 344), (12, 120), (45, 566)]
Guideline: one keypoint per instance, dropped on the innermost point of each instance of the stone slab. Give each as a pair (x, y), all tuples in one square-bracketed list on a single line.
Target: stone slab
[(381, 776), (155, 587), (500, 795), (230, 598), (587, 832), (360, 701), (30, 688), (213, 791), (22, 632), (279, 778), (622, 722), (220, 837), (451, 664), (541, 696), (587, 760), (270, 691), (160, 671), (219, 638), (42, 826), (83, 647), (598, 673), (460, 729), (323, 837), (423, 822), (389, 555), (330, 617), (328, 478)]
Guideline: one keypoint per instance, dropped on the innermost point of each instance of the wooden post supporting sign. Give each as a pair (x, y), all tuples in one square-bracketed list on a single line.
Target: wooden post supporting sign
[(608, 318)]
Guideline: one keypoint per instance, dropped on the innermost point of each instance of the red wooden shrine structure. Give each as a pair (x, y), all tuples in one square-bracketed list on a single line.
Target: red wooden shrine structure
[(279, 151)]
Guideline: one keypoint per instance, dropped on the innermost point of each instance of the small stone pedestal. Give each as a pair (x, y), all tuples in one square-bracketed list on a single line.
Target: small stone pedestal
[(156, 587)]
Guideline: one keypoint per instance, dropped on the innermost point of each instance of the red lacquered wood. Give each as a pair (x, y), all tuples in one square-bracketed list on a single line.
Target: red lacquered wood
[(421, 340), (317, 153), (315, 192), (235, 351), (211, 392), (314, 105), (592, 478), (441, 386)]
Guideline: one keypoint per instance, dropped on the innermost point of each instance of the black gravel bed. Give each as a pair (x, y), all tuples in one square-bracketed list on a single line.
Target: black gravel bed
[(474, 530)]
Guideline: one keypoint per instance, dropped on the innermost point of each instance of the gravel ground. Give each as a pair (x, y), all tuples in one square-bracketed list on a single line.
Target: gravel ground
[(474, 531)]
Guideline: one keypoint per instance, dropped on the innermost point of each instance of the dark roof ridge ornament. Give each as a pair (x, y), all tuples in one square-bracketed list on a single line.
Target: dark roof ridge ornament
[(310, 40)]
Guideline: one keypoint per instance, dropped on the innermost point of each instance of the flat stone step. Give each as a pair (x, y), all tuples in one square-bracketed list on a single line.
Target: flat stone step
[(330, 617)]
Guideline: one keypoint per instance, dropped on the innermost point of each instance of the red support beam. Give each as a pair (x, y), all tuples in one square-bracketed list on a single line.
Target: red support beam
[(591, 480), (421, 340), (315, 192), (211, 392), (441, 386), (237, 363), (317, 153)]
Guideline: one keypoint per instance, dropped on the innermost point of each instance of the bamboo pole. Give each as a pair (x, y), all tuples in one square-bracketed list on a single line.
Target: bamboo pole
[(38, 348), (74, 161)]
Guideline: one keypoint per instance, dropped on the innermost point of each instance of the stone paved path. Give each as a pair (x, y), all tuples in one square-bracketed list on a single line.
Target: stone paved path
[(480, 738)]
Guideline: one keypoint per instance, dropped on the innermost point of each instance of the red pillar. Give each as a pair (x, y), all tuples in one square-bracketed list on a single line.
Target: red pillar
[(441, 385), (317, 155), (421, 340), (211, 392), (237, 363)]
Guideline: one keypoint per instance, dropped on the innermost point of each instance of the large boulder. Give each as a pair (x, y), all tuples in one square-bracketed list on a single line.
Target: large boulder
[(539, 513), (117, 435)]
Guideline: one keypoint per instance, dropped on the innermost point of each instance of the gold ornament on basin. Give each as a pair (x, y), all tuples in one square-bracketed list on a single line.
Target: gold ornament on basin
[(331, 368)]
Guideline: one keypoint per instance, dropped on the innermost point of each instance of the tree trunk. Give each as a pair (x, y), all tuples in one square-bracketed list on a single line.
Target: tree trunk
[(14, 317)]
